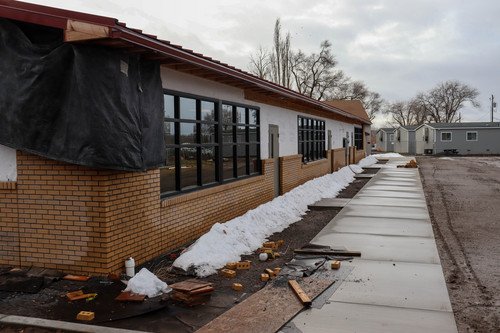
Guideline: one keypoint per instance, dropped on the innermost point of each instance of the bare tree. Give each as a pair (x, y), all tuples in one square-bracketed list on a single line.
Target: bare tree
[(373, 104), (443, 102), (281, 56), (400, 114), (260, 63), (314, 74)]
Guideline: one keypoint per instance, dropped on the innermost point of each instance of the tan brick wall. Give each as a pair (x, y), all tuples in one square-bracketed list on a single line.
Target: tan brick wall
[(359, 155), (9, 235), (338, 158), (294, 173), (88, 221), (193, 214)]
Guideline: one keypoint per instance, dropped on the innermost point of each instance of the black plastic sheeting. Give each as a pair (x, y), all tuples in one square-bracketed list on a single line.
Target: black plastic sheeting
[(81, 104)]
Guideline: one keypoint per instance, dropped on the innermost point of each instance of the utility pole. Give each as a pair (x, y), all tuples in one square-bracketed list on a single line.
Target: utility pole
[(493, 105)]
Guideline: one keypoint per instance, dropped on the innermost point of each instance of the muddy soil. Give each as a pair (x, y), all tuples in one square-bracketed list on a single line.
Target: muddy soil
[(184, 319), (463, 198)]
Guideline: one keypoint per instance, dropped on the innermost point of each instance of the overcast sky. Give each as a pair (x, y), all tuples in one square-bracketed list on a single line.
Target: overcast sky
[(397, 47)]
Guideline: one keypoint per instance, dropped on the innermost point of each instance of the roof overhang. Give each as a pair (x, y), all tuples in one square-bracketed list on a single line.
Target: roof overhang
[(98, 30)]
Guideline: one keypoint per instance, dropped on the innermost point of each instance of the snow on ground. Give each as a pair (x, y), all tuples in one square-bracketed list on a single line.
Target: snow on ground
[(226, 242), (386, 155)]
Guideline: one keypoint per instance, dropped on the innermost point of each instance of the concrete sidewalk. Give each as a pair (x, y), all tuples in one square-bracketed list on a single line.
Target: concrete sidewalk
[(398, 284)]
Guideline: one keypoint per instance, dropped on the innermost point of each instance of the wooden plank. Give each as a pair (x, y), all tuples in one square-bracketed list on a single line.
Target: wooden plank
[(268, 309), (83, 296), (329, 252), (190, 285), (76, 278), (201, 290), (127, 296), (300, 293)]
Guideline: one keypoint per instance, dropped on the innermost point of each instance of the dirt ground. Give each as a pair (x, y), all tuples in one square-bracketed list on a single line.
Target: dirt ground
[(179, 318), (463, 198)]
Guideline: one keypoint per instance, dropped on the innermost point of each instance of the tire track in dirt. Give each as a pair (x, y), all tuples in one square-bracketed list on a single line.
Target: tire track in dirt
[(473, 304), (447, 234)]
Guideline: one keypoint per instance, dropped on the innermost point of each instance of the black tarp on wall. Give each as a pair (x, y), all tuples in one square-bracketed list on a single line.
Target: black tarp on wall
[(77, 103)]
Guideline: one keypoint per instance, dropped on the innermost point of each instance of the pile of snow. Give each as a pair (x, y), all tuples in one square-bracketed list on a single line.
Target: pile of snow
[(389, 155), (243, 235), (146, 283)]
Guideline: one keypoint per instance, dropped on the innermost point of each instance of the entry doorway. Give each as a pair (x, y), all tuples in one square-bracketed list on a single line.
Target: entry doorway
[(274, 152)]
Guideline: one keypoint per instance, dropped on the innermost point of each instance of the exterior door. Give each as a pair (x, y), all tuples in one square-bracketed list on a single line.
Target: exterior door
[(274, 152)]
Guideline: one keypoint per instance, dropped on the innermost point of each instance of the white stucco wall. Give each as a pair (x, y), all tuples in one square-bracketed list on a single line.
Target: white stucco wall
[(8, 165), (284, 118)]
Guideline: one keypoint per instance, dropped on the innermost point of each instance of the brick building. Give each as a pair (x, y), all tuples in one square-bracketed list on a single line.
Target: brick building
[(144, 145)]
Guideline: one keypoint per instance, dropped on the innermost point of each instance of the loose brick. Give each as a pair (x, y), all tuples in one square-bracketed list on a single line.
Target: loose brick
[(243, 265), (85, 315), (336, 264), (228, 273), (265, 250), (237, 286), (264, 277), (231, 265), (268, 244)]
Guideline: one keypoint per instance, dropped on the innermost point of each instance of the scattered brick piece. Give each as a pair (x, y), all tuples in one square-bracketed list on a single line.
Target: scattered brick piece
[(336, 265), (264, 277), (270, 272), (276, 255), (85, 315), (76, 278), (231, 265), (228, 273), (274, 247), (237, 286), (277, 270), (243, 265), (265, 249), (268, 244)]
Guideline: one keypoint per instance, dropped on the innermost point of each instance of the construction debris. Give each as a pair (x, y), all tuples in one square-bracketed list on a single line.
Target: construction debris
[(228, 272), (127, 296), (231, 265), (85, 315), (300, 293), (336, 264), (264, 277), (76, 295), (328, 252), (76, 278), (411, 164), (192, 292), (237, 286), (243, 265)]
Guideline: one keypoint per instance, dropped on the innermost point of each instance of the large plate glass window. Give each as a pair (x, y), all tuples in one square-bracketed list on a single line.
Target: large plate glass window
[(311, 134), (358, 138), (208, 142)]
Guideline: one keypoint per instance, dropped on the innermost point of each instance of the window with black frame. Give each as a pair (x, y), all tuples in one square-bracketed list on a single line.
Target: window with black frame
[(358, 138), (208, 142), (311, 139)]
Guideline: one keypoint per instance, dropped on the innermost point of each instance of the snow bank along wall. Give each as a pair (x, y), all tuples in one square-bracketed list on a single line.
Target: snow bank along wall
[(87, 219)]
